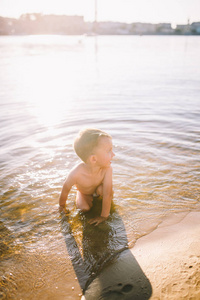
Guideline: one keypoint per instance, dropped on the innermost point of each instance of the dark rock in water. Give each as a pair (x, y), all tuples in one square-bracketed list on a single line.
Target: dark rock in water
[(121, 279)]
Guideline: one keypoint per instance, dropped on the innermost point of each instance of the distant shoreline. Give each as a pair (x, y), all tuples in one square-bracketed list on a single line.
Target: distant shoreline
[(36, 23)]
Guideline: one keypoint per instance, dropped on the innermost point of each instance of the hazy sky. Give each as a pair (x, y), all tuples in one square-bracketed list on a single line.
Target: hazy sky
[(154, 11)]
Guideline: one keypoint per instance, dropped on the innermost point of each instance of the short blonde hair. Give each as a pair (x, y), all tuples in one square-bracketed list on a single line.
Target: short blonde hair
[(87, 140)]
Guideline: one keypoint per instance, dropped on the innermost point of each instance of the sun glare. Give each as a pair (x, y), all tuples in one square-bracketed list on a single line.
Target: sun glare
[(51, 86)]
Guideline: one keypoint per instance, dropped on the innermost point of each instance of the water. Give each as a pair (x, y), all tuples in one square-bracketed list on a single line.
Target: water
[(144, 91)]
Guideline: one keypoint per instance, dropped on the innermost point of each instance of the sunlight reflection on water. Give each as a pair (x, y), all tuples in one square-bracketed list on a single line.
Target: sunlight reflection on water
[(144, 91)]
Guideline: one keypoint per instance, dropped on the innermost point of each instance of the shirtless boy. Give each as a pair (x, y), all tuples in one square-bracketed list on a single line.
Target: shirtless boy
[(93, 176)]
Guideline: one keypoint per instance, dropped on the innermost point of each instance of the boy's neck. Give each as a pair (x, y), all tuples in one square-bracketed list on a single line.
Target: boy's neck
[(93, 169)]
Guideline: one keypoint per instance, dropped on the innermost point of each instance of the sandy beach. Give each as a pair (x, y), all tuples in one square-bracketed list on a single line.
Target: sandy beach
[(170, 257)]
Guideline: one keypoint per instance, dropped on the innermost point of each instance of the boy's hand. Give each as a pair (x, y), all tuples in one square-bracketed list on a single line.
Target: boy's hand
[(63, 209), (96, 221)]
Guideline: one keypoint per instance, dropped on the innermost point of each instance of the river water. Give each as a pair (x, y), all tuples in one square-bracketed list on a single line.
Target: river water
[(144, 91)]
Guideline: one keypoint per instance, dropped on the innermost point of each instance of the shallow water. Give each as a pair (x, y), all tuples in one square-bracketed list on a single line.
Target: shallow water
[(144, 91)]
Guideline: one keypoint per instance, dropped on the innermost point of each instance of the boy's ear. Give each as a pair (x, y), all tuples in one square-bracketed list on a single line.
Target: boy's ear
[(93, 159)]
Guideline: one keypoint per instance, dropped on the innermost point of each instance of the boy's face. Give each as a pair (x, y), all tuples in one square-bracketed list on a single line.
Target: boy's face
[(104, 152)]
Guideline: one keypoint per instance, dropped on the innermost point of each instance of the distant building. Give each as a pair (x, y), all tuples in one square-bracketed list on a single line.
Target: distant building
[(164, 28), (43, 24), (183, 29), (143, 28), (63, 24), (195, 27), (7, 26), (112, 28)]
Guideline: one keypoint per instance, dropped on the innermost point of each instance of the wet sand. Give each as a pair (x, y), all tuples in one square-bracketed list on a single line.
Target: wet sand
[(170, 257)]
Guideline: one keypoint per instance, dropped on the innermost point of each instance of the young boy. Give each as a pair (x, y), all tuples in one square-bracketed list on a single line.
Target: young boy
[(93, 176)]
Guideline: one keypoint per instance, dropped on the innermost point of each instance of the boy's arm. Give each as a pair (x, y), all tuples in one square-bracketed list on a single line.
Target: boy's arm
[(107, 193), (107, 198), (69, 182)]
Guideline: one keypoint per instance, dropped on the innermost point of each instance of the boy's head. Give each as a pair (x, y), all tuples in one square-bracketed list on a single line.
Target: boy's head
[(86, 142)]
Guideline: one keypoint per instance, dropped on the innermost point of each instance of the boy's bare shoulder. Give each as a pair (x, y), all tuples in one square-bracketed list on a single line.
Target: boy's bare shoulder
[(74, 173), (77, 169)]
